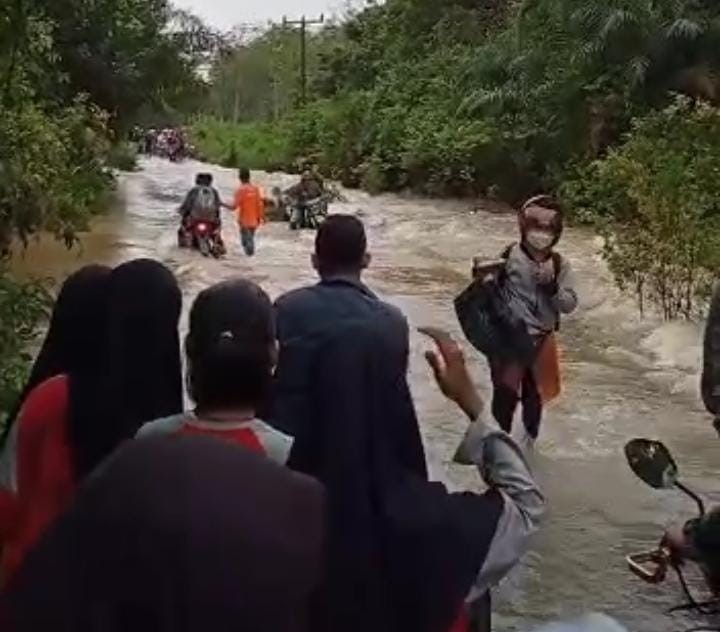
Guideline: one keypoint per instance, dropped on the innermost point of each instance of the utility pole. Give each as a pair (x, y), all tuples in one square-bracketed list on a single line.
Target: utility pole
[(303, 24)]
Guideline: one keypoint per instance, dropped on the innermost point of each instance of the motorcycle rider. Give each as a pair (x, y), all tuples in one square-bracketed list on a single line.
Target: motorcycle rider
[(310, 188), (201, 204)]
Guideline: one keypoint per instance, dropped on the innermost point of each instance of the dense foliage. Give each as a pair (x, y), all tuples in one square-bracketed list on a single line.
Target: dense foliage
[(74, 76), (663, 223), (507, 97), (22, 307)]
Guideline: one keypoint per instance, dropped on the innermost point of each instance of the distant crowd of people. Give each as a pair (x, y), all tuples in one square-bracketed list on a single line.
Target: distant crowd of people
[(171, 143), (203, 206), (294, 494)]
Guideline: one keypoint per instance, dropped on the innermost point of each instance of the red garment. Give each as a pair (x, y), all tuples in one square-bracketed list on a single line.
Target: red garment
[(461, 624), (45, 477), (243, 436)]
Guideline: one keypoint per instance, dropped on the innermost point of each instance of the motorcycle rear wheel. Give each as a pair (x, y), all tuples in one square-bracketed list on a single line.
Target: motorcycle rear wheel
[(204, 247)]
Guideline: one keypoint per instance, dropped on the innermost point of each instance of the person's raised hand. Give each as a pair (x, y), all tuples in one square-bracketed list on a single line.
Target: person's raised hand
[(447, 362)]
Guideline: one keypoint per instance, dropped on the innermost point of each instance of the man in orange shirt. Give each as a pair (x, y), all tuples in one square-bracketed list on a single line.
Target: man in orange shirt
[(250, 209)]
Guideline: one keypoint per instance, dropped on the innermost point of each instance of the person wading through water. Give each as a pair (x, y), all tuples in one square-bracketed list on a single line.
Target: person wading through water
[(404, 555), (537, 286), (250, 211), (512, 310)]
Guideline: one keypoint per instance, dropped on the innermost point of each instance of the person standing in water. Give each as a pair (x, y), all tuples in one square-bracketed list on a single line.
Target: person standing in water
[(536, 285), (250, 209)]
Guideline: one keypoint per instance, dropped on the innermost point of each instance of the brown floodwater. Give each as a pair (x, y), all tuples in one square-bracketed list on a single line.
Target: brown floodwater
[(623, 377)]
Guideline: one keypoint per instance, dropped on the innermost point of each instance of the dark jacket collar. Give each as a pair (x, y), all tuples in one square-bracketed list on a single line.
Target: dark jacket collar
[(347, 280)]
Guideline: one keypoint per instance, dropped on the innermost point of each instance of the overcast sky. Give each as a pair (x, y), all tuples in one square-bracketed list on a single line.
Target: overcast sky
[(225, 14)]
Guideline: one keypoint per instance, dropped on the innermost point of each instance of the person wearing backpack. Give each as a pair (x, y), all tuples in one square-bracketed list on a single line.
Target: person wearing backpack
[(535, 286), (201, 204)]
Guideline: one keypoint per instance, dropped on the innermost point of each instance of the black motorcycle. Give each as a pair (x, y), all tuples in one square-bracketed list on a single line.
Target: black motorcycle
[(652, 462), (308, 214)]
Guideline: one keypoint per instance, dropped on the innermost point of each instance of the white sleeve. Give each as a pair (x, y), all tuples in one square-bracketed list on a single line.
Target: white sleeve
[(277, 445), (503, 468)]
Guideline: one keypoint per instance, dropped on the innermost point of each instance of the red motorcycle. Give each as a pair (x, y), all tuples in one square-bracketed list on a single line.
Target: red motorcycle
[(203, 236)]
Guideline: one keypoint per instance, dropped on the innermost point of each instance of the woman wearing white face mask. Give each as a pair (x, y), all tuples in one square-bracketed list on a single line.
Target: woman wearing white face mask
[(536, 285)]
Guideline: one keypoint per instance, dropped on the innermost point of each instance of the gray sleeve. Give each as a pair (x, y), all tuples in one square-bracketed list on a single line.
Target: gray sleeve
[(566, 299), (166, 426), (503, 468)]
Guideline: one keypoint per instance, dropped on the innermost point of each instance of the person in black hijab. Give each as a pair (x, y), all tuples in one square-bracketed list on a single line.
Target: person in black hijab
[(183, 535), (403, 553), (143, 369), (72, 346), (77, 317)]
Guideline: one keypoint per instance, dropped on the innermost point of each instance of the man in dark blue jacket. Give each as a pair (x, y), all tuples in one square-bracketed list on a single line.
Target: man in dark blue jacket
[(305, 317)]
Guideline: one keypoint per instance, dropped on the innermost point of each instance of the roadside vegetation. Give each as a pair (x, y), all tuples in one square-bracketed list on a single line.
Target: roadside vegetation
[(612, 105), (75, 76)]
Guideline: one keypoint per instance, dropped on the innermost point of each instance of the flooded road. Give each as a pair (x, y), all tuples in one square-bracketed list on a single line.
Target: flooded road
[(623, 378)]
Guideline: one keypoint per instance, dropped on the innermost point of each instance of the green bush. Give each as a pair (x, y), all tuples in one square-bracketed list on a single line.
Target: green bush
[(52, 170), (52, 174), (255, 145), (665, 242), (123, 156), (593, 195), (23, 309)]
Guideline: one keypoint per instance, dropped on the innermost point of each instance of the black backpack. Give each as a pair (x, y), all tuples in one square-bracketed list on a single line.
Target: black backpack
[(489, 325)]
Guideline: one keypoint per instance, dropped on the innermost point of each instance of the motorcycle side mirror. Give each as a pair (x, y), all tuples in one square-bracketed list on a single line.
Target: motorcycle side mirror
[(652, 462)]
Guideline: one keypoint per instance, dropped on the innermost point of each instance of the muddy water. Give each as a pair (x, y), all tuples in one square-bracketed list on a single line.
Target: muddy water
[(623, 378)]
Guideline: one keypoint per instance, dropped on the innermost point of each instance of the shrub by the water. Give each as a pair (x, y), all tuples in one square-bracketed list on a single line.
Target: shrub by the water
[(657, 199)]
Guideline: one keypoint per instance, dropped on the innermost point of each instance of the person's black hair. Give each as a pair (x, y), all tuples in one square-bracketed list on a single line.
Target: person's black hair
[(142, 366), (73, 347), (230, 346), (340, 245), (244, 174), (204, 179)]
